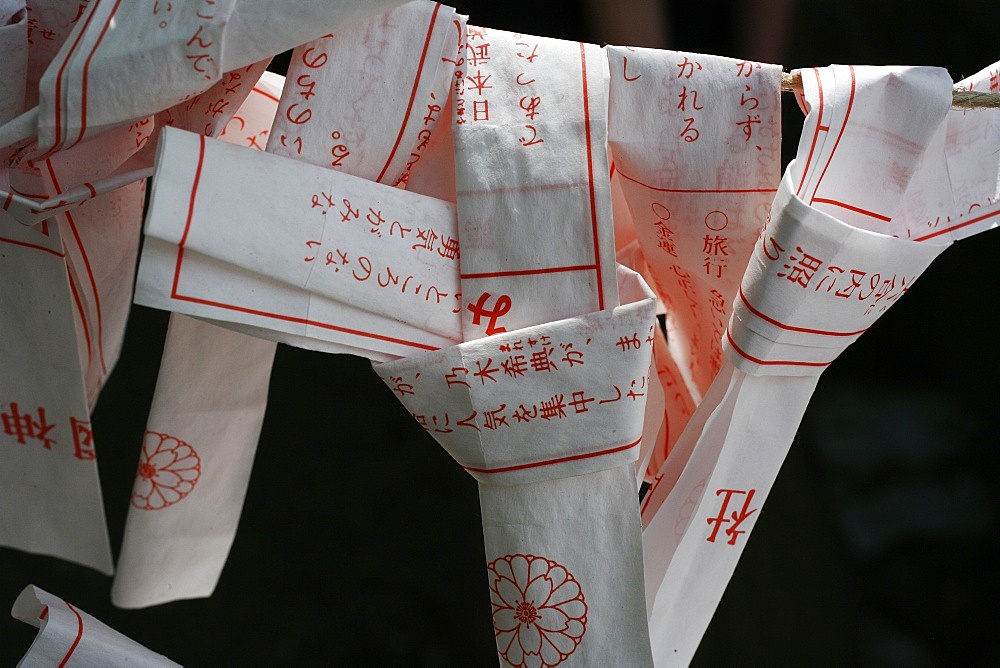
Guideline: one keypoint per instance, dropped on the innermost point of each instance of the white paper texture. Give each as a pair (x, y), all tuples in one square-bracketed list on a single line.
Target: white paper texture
[(534, 201), (125, 61), (818, 276), (68, 636), (366, 101), (50, 490), (389, 254), (211, 392)]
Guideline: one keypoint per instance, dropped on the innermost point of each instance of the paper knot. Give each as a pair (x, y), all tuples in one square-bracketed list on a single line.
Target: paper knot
[(815, 284)]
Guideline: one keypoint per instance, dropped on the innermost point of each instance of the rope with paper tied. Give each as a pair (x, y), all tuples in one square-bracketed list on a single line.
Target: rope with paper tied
[(791, 82)]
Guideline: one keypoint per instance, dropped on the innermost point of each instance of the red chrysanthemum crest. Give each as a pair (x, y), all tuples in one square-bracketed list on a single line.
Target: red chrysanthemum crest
[(539, 613), (168, 471)]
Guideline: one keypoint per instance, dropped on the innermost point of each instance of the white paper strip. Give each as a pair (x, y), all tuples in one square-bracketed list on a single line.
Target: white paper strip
[(200, 440), (379, 249), (105, 74), (813, 284), (49, 488), (697, 146), (68, 636)]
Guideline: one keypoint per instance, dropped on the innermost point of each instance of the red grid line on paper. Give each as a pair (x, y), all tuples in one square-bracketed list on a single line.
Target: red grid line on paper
[(79, 307), (86, 71), (31, 245), (266, 94), (819, 127), (90, 274), (849, 207), (557, 460), (59, 77), (79, 635), (957, 226), (693, 190), (413, 92), (175, 294), (530, 272), (840, 135), (792, 328), (756, 360), (590, 177)]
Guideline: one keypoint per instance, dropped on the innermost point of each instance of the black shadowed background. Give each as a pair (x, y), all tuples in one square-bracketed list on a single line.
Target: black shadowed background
[(361, 544)]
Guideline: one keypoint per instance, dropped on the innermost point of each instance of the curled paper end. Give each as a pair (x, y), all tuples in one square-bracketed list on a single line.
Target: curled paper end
[(69, 636)]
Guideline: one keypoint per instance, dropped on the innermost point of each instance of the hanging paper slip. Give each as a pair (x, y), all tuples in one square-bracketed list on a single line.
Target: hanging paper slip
[(696, 141), (534, 201), (68, 636), (560, 525), (814, 283), (49, 488), (340, 117)]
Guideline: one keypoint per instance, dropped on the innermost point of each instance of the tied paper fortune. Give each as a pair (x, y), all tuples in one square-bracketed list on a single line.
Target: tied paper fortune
[(534, 215), (814, 283)]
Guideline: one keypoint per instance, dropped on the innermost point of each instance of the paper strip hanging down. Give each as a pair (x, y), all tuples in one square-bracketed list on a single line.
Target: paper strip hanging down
[(201, 434), (530, 132), (548, 420), (49, 488), (352, 256), (817, 278), (164, 54), (366, 101), (68, 636), (194, 573), (696, 141), (956, 192)]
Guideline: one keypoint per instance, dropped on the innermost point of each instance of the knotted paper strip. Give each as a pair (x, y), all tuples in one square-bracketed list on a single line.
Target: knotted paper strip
[(814, 283), (68, 636), (696, 141), (366, 101), (560, 515), (552, 438), (201, 434)]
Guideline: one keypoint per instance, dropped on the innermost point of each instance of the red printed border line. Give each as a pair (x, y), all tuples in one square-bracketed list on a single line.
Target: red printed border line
[(413, 92), (590, 177), (716, 191), (79, 631), (826, 128), (175, 293), (792, 328), (90, 277), (85, 74), (756, 360), (557, 460), (957, 226), (26, 244)]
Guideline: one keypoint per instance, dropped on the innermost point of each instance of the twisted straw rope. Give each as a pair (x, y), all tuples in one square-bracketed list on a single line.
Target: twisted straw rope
[(791, 82)]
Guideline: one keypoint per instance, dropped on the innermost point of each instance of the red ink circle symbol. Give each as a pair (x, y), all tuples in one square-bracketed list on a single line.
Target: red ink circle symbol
[(168, 471), (539, 613), (716, 221), (660, 211)]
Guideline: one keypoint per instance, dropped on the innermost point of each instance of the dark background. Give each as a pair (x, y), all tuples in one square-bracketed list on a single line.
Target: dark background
[(361, 544)]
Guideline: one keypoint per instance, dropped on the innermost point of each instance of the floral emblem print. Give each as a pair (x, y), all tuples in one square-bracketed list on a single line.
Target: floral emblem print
[(168, 471), (539, 613)]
